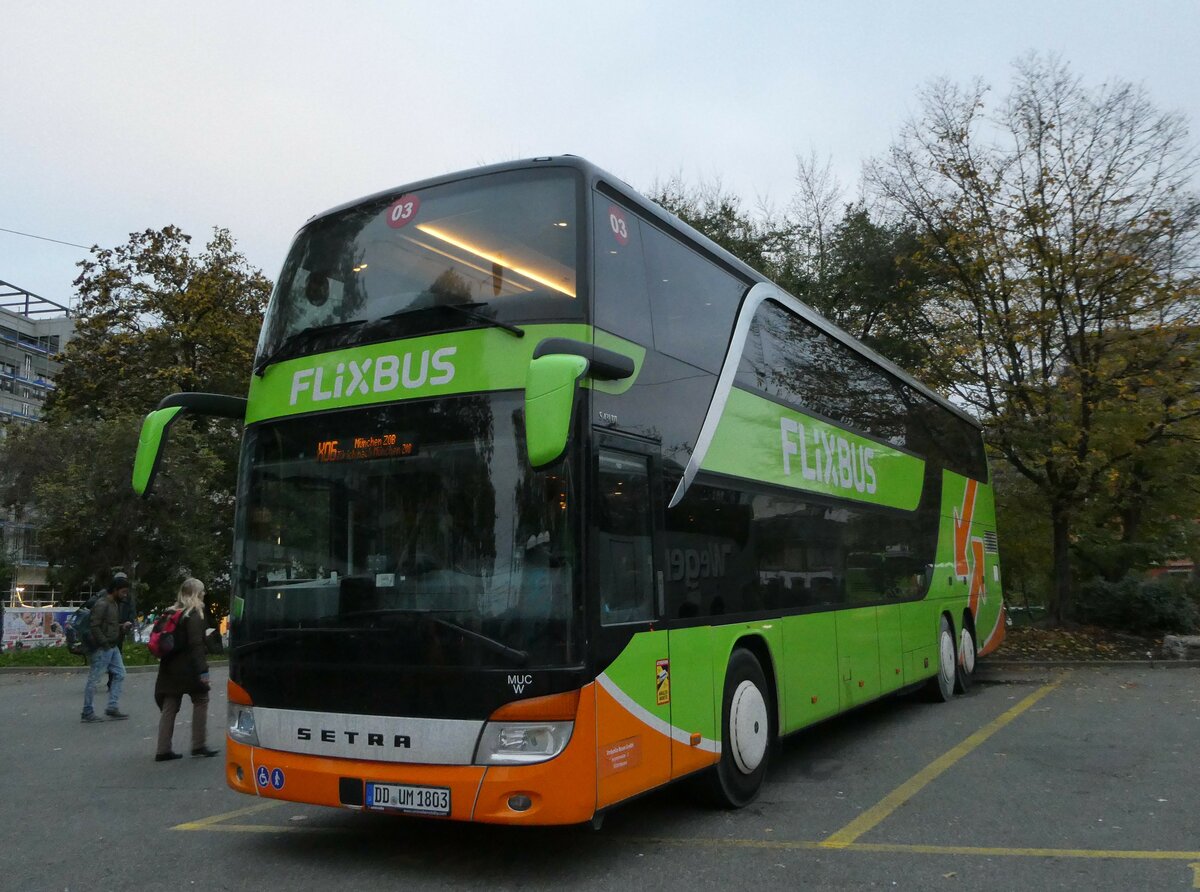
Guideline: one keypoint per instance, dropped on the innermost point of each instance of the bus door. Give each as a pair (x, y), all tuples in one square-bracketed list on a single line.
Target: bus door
[(633, 692)]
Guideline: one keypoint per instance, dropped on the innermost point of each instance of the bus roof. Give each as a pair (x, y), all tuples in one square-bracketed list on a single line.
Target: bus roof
[(670, 223)]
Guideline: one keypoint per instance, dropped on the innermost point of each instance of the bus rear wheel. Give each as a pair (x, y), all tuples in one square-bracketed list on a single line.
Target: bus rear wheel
[(747, 729), (940, 688), (964, 667)]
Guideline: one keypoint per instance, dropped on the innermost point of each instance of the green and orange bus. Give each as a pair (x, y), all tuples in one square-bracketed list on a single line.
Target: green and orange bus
[(545, 501)]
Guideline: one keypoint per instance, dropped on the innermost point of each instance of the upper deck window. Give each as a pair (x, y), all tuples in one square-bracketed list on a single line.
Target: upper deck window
[(506, 244)]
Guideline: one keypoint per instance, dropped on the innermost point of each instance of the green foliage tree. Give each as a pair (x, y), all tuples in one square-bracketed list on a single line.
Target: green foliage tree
[(153, 318), (1058, 238)]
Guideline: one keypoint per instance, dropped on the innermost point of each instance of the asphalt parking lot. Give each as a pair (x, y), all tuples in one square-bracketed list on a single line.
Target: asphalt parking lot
[(1078, 779)]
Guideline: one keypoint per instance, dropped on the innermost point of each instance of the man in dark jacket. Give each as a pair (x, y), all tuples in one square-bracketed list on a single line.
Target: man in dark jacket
[(106, 630), (128, 617)]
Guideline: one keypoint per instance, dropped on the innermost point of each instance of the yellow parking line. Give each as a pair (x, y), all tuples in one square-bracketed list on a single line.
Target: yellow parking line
[(873, 816), (901, 848), (1003, 851), (208, 823)]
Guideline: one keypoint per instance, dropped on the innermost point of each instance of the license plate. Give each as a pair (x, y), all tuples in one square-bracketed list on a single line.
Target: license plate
[(409, 798)]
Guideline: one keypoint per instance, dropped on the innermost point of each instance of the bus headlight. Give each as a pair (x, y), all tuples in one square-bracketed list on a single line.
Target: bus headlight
[(521, 743), (241, 724)]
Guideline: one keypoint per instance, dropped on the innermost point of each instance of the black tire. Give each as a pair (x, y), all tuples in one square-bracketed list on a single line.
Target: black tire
[(964, 666), (940, 688), (747, 733)]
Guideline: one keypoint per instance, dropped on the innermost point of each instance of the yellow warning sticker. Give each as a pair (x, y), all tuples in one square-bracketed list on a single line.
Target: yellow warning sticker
[(662, 682)]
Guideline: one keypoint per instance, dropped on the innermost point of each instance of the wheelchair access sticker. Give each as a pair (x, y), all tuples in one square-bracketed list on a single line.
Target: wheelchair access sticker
[(272, 776)]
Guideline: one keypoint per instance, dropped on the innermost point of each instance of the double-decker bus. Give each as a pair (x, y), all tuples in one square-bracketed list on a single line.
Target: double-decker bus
[(545, 501)]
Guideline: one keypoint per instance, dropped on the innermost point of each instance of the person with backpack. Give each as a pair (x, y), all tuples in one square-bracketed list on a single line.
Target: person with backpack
[(79, 625), (104, 632), (183, 670)]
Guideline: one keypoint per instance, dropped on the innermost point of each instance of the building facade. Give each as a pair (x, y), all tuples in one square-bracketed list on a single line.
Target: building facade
[(33, 332)]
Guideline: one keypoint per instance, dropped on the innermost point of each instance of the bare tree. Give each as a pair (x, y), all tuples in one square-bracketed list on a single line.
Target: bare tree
[(1059, 235)]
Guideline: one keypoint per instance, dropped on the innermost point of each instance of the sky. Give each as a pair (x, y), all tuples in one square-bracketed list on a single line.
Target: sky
[(121, 117)]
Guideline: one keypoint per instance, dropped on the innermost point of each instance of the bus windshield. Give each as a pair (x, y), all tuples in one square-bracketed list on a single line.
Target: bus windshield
[(499, 245), (404, 536)]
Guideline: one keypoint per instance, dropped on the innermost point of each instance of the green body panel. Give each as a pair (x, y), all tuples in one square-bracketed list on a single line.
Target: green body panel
[(693, 705), (891, 648), (819, 659), (697, 657), (634, 672), (762, 440), (150, 444), (725, 638), (804, 660), (550, 386), (472, 361), (918, 630), (858, 656), (809, 678)]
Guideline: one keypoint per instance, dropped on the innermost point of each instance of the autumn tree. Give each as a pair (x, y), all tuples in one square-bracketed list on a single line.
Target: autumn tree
[(1058, 235), (153, 318), (831, 253), (857, 271), (759, 238)]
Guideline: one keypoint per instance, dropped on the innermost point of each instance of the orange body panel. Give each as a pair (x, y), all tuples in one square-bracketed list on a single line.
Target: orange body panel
[(631, 756), (686, 759)]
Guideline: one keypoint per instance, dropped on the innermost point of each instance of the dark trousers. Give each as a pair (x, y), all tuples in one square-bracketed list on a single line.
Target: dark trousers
[(166, 721)]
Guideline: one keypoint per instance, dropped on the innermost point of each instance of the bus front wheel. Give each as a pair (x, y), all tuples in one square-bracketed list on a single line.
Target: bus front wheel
[(747, 729), (940, 688)]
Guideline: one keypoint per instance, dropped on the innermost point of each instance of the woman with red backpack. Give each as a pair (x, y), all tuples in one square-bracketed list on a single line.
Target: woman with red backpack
[(184, 670)]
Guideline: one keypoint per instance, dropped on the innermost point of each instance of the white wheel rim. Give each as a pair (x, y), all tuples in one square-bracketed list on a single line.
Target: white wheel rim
[(748, 727), (946, 662), (967, 652)]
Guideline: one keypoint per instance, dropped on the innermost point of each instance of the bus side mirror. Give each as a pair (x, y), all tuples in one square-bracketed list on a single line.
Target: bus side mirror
[(150, 446), (550, 388), (557, 367), (156, 426)]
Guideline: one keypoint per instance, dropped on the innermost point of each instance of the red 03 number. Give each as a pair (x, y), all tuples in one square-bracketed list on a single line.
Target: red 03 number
[(402, 210), (616, 221)]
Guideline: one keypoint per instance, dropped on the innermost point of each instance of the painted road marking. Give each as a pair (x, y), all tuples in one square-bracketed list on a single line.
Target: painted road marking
[(904, 849), (211, 822), (1195, 875), (216, 824), (879, 812)]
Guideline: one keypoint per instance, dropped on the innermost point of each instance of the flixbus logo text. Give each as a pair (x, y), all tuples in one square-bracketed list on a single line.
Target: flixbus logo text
[(827, 458), (379, 375)]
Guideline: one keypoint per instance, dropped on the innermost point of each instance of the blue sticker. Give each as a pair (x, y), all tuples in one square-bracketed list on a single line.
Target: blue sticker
[(277, 778), (263, 776)]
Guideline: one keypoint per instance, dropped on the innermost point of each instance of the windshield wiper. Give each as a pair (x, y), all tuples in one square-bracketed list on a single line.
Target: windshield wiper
[(519, 656), (294, 344), (470, 312), (290, 633)]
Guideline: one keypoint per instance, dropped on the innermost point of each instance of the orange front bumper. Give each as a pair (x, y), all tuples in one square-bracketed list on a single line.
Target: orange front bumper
[(560, 791)]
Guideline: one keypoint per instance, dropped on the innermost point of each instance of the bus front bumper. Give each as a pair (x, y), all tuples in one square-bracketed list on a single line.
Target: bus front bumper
[(561, 790)]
